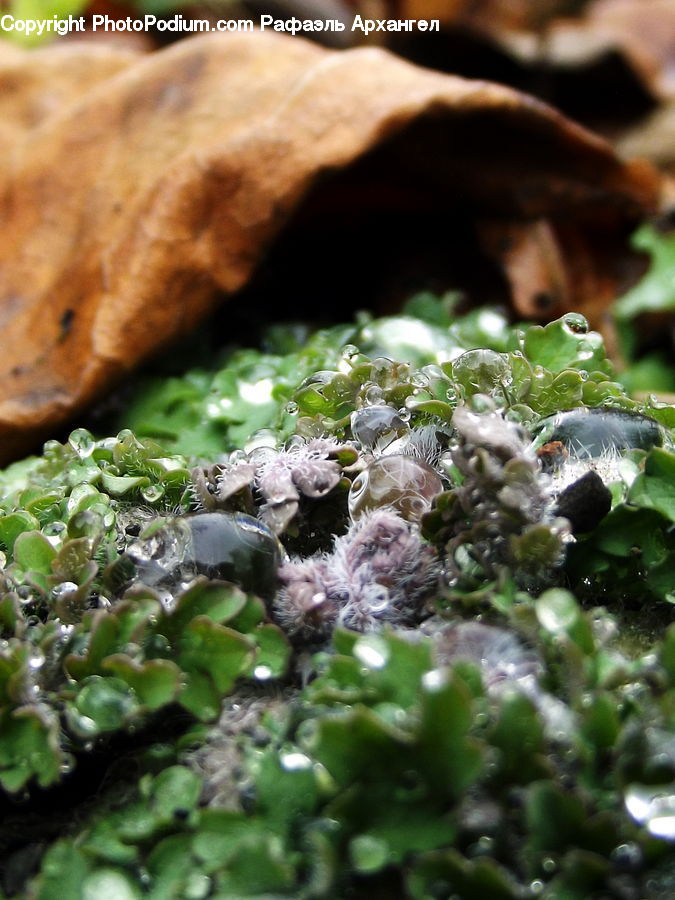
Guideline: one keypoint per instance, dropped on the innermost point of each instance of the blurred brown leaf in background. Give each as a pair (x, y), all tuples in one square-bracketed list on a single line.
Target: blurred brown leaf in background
[(137, 189)]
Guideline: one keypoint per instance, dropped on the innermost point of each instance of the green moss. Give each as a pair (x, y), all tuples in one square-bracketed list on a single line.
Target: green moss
[(389, 769)]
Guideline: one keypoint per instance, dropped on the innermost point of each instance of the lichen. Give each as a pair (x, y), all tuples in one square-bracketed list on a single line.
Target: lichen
[(356, 730)]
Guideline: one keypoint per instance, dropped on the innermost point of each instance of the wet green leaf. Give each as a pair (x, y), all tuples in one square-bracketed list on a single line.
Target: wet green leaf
[(557, 610), (155, 683), (14, 524), (566, 342), (29, 748), (106, 702), (33, 552), (212, 657), (273, 653), (114, 884), (655, 488), (175, 792), (519, 735)]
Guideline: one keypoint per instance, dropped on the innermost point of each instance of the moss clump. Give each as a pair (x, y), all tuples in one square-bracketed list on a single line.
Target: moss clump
[(350, 760)]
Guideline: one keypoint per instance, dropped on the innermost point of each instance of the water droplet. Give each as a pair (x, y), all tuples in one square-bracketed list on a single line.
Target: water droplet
[(63, 590), (404, 414), (265, 437), (406, 484), (373, 395), (627, 857), (368, 853), (82, 442), (324, 376), (484, 846), (377, 426), (295, 761), (589, 433), (196, 887), (482, 372), (556, 610), (55, 532), (292, 408), (54, 528), (67, 763), (86, 725), (237, 456), (349, 351), (575, 323), (435, 680), (372, 651), (152, 493), (376, 598), (232, 547), (383, 372), (419, 379), (654, 807), (262, 673)]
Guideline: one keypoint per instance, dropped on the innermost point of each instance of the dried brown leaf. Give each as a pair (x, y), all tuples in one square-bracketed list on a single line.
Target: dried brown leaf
[(131, 206)]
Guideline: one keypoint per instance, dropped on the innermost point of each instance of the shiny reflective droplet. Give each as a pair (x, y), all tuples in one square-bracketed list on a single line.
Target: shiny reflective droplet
[(376, 599), (60, 591), (323, 376), (265, 437), (82, 442), (435, 680), (54, 529), (627, 857), (482, 371), (589, 432), (383, 371), (375, 427), (295, 761), (575, 323), (403, 483), (373, 395), (292, 408), (349, 351), (654, 807), (371, 651), (219, 545), (262, 673), (85, 726), (419, 379), (67, 763), (557, 610), (197, 886), (152, 493)]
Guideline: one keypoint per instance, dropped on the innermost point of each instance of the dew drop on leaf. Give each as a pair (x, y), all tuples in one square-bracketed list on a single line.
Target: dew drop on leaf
[(403, 483), (654, 807), (377, 426)]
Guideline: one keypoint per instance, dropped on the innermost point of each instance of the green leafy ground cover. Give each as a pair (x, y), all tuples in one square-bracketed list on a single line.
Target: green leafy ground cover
[(256, 765)]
